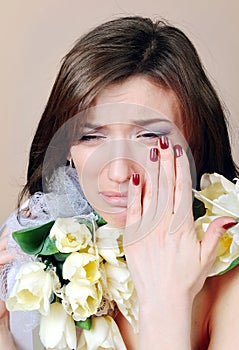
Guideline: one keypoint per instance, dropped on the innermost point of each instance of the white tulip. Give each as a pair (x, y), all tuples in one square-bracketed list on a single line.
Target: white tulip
[(33, 288), (109, 241), (82, 300), (104, 334), (80, 267), (221, 198), (120, 288), (70, 235), (57, 330)]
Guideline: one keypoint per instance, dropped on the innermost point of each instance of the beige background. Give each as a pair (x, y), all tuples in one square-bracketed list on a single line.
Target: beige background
[(35, 34)]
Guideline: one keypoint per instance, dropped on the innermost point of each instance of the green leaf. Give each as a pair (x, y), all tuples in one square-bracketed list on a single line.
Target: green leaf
[(84, 324), (89, 225), (31, 240), (198, 208), (100, 221), (233, 264), (61, 256), (49, 247)]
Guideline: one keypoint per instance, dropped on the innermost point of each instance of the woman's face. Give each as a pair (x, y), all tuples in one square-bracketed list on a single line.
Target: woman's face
[(125, 121)]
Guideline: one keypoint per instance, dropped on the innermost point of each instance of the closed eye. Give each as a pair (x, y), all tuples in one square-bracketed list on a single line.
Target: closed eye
[(152, 135), (92, 137)]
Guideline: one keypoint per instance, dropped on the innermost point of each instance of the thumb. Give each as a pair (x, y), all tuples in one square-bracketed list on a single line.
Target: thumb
[(213, 235)]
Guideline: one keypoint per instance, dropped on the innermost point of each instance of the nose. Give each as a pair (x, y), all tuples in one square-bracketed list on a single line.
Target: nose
[(121, 164), (120, 170)]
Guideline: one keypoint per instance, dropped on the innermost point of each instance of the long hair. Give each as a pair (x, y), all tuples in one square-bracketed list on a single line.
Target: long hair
[(115, 51)]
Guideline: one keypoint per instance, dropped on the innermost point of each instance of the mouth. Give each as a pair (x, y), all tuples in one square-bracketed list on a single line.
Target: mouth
[(114, 198)]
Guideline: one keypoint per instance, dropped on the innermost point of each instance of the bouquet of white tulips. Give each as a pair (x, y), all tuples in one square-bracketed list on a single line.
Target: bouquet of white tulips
[(77, 276)]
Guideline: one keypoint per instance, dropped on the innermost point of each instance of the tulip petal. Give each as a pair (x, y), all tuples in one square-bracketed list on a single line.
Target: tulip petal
[(221, 198), (104, 334), (57, 330)]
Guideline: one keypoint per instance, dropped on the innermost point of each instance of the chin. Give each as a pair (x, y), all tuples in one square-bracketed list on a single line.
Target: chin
[(114, 219)]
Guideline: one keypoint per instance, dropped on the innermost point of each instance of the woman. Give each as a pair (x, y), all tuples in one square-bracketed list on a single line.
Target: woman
[(127, 96)]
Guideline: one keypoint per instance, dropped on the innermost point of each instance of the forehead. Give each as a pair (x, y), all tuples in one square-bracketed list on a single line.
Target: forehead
[(136, 98)]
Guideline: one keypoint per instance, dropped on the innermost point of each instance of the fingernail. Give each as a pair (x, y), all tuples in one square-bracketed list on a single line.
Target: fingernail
[(230, 225), (135, 179), (154, 154), (163, 142), (178, 151)]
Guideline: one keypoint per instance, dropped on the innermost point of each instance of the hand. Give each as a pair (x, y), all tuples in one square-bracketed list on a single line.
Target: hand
[(167, 262), (5, 255), (6, 339), (3, 310)]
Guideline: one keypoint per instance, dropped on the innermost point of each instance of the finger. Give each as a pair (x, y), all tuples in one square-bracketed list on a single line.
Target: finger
[(134, 209), (183, 191), (3, 309), (3, 238), (5, 257), (150, 190), (212, 237), (166, 180)]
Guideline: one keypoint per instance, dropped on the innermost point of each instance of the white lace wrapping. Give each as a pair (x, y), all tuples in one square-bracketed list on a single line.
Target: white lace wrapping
[(63, 198)]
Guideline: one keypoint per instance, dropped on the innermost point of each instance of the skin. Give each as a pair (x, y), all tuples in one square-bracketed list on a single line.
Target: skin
[(179, 308), (171, 280), (6, 340), (101, 162)]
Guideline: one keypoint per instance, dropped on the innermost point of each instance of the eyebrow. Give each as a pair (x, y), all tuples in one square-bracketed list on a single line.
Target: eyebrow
[(140, 122), (143, 122)]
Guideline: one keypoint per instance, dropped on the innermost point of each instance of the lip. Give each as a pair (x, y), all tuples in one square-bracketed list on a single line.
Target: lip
[(115, 198)]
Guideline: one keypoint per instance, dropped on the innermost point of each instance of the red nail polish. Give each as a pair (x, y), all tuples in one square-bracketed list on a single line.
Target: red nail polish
[(229, 225), (154, 154), (178, 151), (164, 142), (135, 179)]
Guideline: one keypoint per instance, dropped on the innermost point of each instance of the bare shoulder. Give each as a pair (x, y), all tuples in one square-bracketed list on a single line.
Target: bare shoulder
[(226, 285), (224, 315)]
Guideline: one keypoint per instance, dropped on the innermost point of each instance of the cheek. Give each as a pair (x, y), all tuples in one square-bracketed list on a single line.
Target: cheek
[(88, 164), (80, 156), (90, 177)]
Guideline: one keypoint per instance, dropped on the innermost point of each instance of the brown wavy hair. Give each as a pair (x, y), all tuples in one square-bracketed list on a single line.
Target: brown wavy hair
[(115, 51)]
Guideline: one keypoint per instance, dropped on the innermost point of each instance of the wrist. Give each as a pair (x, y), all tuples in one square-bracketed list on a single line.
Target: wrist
[(176, 311), (166, 322), (6, 338), (167, 303), (4, 323)]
